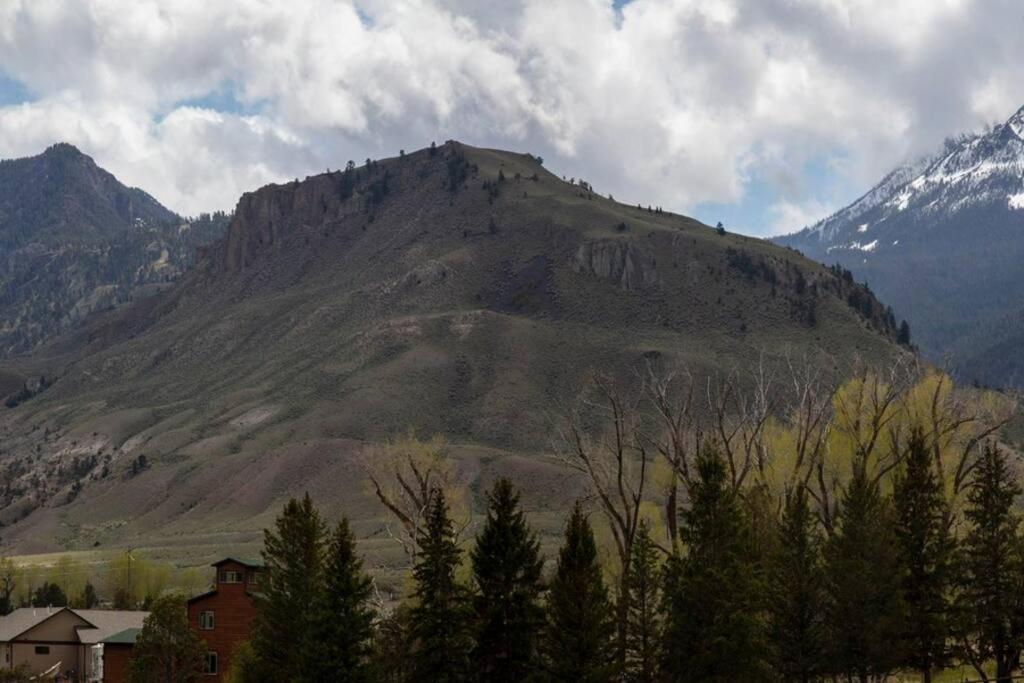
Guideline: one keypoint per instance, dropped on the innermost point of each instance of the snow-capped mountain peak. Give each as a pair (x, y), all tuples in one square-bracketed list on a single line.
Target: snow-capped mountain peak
[(942, 241), (972, 171)]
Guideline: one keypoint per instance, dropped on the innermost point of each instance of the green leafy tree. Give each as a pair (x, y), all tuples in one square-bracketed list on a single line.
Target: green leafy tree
[(284, 634), (507, 574), (441, 625), (244, 665), (344, 619), (864, 597), (714, 621), (926, 550), (992, 590), (643, 618), (796, 593), (166, 649), (578, 642)]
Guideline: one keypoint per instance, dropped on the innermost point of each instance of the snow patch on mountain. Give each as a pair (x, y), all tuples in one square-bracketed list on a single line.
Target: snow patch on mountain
[(856, 246), (1017, 201), (1016, 124)]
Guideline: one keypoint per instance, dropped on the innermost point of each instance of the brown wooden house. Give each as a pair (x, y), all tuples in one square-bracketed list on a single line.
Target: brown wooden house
[(224, 616)]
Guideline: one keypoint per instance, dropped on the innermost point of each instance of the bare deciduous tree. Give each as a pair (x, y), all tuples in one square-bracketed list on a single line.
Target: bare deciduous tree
[(403, 475), (614, 461)]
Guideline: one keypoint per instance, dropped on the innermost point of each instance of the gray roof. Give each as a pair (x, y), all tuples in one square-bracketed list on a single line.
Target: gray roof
[(24, 618), (103, 623), (107, 623)]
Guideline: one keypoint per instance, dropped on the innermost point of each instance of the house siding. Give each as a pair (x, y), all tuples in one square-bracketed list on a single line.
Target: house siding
[(234, 613), (115, 662), (65, 653)]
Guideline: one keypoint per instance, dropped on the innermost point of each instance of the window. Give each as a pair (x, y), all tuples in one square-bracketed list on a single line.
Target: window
[(210, 664), (230, 576), (42, 649), (206, 620)]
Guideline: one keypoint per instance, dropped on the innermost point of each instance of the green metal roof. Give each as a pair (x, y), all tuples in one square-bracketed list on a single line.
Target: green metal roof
[(125, 637)]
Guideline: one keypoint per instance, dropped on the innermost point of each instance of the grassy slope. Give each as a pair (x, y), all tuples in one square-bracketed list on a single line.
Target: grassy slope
[(444, 313)]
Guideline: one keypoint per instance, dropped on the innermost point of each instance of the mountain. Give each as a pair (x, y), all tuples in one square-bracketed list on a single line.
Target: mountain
[(74, 240), (942, 241), (454, 290)]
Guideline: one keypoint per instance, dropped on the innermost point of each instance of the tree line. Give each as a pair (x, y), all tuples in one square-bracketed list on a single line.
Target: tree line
[(863, 530), (121, 581), (747, 594)]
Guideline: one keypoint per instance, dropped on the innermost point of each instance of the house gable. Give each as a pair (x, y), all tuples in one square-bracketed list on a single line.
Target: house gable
[(59, 627)]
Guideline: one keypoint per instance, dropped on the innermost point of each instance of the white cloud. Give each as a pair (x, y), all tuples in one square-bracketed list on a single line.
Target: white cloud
[(785, 217), (192, 158), (673, 102)]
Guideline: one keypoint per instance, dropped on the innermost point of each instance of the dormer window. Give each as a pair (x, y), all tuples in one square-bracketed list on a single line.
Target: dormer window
[(231, 576)]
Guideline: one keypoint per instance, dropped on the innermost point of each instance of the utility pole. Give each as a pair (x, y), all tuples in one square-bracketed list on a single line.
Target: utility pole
[(130, 560)]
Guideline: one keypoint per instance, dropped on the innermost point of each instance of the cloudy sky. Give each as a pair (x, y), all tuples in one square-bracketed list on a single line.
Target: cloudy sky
[(766, 114)]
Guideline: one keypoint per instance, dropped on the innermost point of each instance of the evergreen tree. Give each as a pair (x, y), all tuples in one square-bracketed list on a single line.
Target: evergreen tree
[(89, 597), (643, 623), (167, 650), (796, 593), (864, 599), (441, 616), (8, 572), (284, 634), (903, 336), (713, 627), (507, 572), (344, 620), (578, 642), (992, 567), (49, 595), (926, 549)]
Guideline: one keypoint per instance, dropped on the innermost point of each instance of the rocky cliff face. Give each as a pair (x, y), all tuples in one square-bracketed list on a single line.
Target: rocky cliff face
[(623, 262), (73, 241)]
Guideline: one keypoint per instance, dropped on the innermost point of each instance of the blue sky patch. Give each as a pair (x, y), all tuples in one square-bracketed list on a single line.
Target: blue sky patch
[(223, 99), (12, 91)]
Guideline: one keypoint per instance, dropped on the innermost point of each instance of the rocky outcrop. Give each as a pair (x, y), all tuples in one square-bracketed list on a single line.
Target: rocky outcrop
[(620, 261), (263, 217)]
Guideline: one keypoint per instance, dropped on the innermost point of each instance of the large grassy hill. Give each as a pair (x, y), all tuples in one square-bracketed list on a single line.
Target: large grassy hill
[(461, 291)]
